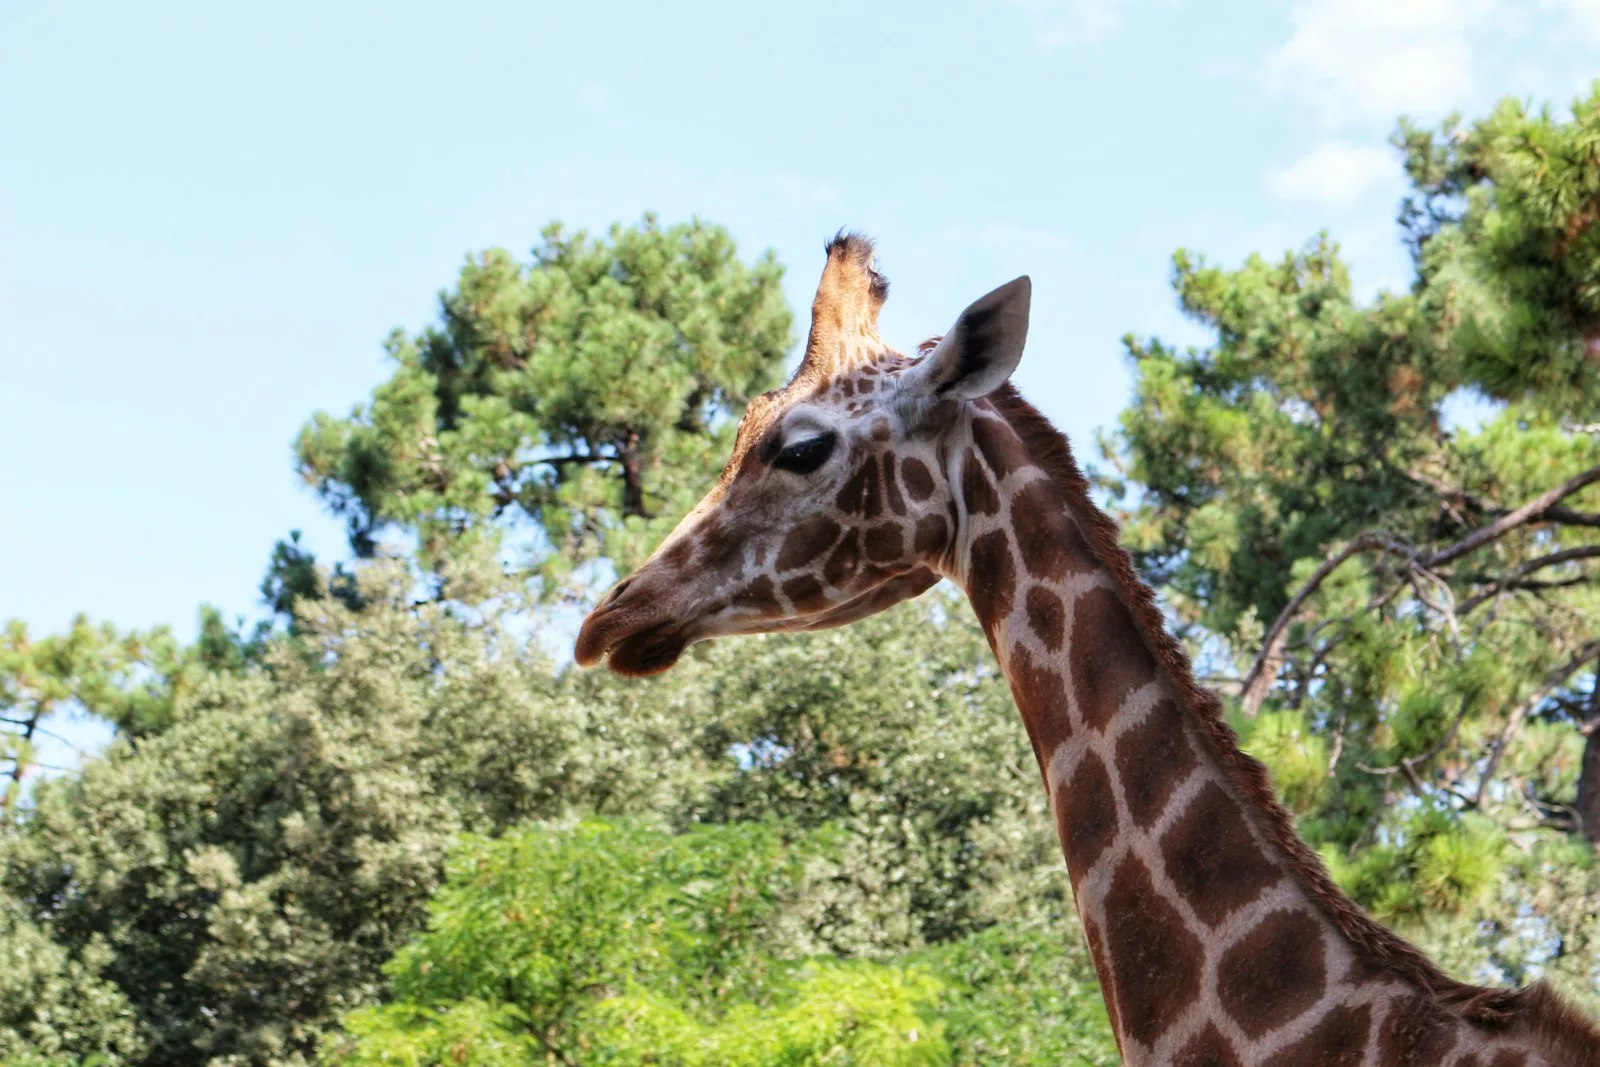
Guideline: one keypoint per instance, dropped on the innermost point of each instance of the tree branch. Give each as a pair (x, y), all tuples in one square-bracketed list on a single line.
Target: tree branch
[(1551, 683), (1528, 512), (1408, 766), (1265, 668)]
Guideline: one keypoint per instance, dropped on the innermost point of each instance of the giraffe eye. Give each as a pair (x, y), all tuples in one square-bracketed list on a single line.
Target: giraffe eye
[(803, 457)]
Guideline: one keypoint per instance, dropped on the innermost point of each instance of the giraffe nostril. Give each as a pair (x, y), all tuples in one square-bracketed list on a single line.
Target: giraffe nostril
[(618, 589)]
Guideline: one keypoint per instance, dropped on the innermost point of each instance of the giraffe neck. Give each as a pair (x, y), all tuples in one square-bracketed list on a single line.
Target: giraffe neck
[(1212, 937)]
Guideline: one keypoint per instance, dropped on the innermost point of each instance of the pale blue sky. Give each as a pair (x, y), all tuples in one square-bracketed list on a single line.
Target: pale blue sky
[(211, 214)]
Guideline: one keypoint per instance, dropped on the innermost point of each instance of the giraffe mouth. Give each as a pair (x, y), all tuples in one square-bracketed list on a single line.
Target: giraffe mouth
[(650, 652), (629, 649)]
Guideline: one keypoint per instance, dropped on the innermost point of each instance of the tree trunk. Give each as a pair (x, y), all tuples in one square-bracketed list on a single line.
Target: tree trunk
[(632, 479), (1588, 804), (1589, 785)]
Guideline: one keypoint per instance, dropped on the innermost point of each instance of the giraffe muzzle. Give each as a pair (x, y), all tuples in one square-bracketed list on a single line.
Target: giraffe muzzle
[(630, 644)]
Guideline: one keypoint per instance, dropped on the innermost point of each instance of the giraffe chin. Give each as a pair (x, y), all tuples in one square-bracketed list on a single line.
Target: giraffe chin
[(649, 652)]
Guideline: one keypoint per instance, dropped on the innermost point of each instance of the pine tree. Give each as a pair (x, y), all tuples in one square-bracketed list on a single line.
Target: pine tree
[(562, 409), (1403, 606)]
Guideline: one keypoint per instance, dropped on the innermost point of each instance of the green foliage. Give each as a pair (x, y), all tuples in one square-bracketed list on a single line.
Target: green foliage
[(1423, 712), (852, 1014), (1296, 753), (1022, 993), (267, 852), (54, 1003), (1514, 199), (468, 1032), (900, 732), (620, 943), (539, 918), (580, 398), (260, 870), (251, 867), (133, 680)]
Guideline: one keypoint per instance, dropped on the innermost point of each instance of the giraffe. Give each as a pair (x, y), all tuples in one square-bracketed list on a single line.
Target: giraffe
[(1218, 938)]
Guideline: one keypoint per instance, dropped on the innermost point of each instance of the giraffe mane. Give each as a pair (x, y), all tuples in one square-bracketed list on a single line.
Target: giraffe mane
[(1547, 1014)]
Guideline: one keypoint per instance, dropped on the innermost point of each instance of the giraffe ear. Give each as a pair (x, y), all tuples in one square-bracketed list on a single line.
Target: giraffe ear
[(981, 350)]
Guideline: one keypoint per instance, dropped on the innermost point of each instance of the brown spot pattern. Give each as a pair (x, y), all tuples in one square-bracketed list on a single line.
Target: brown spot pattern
[(976, 488), (760, 594), (1042, 700), (1047, 617), (1153, 759), (1154, 957), (1509, 1058), (891, 486), (1274, 974), (1001, 448), (1339, 1040), (1212, 858), (886, 542), (860, 495), (933, 534), (991, 578), (1048, 539), (1109, 656), (1414, 1032), (805, 592), (918, 479), (846, 559), (1208, 1049), (808, 540), (1086, 816), (718, 546)]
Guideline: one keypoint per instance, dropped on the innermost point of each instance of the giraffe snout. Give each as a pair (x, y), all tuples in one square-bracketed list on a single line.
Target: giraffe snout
[(631, 630)]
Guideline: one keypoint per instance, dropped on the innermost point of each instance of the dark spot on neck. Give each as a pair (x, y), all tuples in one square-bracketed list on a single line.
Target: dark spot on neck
[(1048, 539), (919, 481), (1001, 448), (1153, 759), (1339, 1040), (991, 578), (1208, 1049), (1042, 700), (976, 489), (1086, 816), (1213, 859), (1047, 617), (1274, 973), (1108, 654), (1154, 957)]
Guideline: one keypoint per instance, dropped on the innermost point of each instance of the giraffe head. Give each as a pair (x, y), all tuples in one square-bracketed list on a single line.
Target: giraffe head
[(841, 496)]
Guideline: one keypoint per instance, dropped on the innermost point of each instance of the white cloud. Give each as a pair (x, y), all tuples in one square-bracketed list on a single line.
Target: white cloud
[(1063, 22), (1361, 60), (1335, 173)]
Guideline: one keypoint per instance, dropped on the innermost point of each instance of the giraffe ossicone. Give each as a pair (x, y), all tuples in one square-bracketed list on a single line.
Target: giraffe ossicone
[(1217, 935)]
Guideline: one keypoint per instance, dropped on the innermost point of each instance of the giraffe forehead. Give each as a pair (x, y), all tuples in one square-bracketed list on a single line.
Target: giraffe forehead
[(855, 405)]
